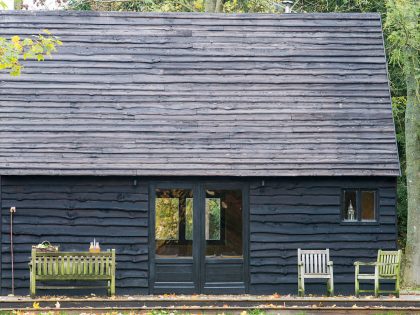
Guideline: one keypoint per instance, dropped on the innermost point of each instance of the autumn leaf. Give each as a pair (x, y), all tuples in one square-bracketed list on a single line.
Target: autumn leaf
[(36, 305)]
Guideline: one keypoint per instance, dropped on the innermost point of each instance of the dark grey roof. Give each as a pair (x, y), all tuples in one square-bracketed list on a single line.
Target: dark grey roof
[(200, 94)]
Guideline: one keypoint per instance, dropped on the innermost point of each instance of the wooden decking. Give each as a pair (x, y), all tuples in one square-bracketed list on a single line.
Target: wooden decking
[(193, 304)]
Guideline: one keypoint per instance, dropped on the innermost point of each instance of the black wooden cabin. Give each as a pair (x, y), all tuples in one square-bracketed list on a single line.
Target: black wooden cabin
[(206, 149)]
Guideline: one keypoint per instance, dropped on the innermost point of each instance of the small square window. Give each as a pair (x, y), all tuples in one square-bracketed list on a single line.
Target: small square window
[(358, 205)]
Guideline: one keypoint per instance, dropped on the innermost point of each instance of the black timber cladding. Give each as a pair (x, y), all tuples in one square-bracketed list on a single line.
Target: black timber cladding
[(199, 94), (285, 214), (301, 212), (70, 212)]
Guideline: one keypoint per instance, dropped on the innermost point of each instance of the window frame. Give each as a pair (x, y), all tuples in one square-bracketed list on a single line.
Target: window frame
[(358, 213)]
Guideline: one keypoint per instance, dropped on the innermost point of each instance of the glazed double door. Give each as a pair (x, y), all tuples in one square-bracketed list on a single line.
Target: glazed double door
[(197, 238)]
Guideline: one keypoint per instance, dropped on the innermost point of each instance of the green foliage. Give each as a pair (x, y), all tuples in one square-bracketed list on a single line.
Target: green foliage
[(167, 219), (213, 211), (249, 6), (398, 110), (339, 6), (138, 5), (13, 50), (403, 33)]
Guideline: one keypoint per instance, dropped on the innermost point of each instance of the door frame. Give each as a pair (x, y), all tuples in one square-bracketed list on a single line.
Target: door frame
[(198, 255)]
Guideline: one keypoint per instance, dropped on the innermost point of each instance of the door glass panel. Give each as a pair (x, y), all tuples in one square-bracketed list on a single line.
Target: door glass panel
[(213, 219), (223, 223), (189, 220), (173, 222)]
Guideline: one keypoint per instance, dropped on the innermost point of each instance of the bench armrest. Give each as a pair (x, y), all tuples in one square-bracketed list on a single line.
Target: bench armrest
[(300, 263), (359, 263), (330, 263)]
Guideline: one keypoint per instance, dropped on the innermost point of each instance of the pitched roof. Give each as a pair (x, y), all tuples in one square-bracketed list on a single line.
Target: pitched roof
[(199, 94)]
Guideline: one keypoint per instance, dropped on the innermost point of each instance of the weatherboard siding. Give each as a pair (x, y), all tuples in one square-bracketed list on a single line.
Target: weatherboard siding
[(291, 213), (71, 211), (285, 214), (199, 95)]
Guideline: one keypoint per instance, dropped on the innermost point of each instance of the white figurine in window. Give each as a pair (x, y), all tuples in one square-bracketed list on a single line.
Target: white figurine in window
[(350, 212)]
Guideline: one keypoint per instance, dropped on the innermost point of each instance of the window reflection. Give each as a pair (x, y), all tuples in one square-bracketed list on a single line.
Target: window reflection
[(213, 213), (223, 223), (167, 218), (173, 222), (189, 219)]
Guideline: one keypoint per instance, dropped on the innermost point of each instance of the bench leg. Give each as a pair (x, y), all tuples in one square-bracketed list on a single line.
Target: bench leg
[(111, 291), (32, 286), (376, 290), (32, 282), (356, 281), (331, 282), (330, 287), (301, 286)]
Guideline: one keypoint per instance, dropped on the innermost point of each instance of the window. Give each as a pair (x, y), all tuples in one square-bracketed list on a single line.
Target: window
[(223, 223), (173, 222), (358, 205)]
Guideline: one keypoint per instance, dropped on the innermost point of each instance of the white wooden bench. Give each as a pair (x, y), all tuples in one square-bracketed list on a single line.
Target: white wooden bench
[(315, 264)]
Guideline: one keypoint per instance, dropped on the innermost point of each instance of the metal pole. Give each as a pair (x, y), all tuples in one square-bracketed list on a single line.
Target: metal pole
[(12, 210)]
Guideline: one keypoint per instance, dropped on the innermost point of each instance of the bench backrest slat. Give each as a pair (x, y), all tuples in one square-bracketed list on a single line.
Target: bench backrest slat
[(392, 261), (314, 261)]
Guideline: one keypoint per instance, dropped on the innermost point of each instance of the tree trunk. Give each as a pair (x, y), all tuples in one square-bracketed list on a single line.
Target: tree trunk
[(412, 136), (213, 6), (210, 6)]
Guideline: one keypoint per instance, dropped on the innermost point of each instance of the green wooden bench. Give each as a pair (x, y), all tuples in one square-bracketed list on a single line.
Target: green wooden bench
[(72, 266), (387, 266)]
